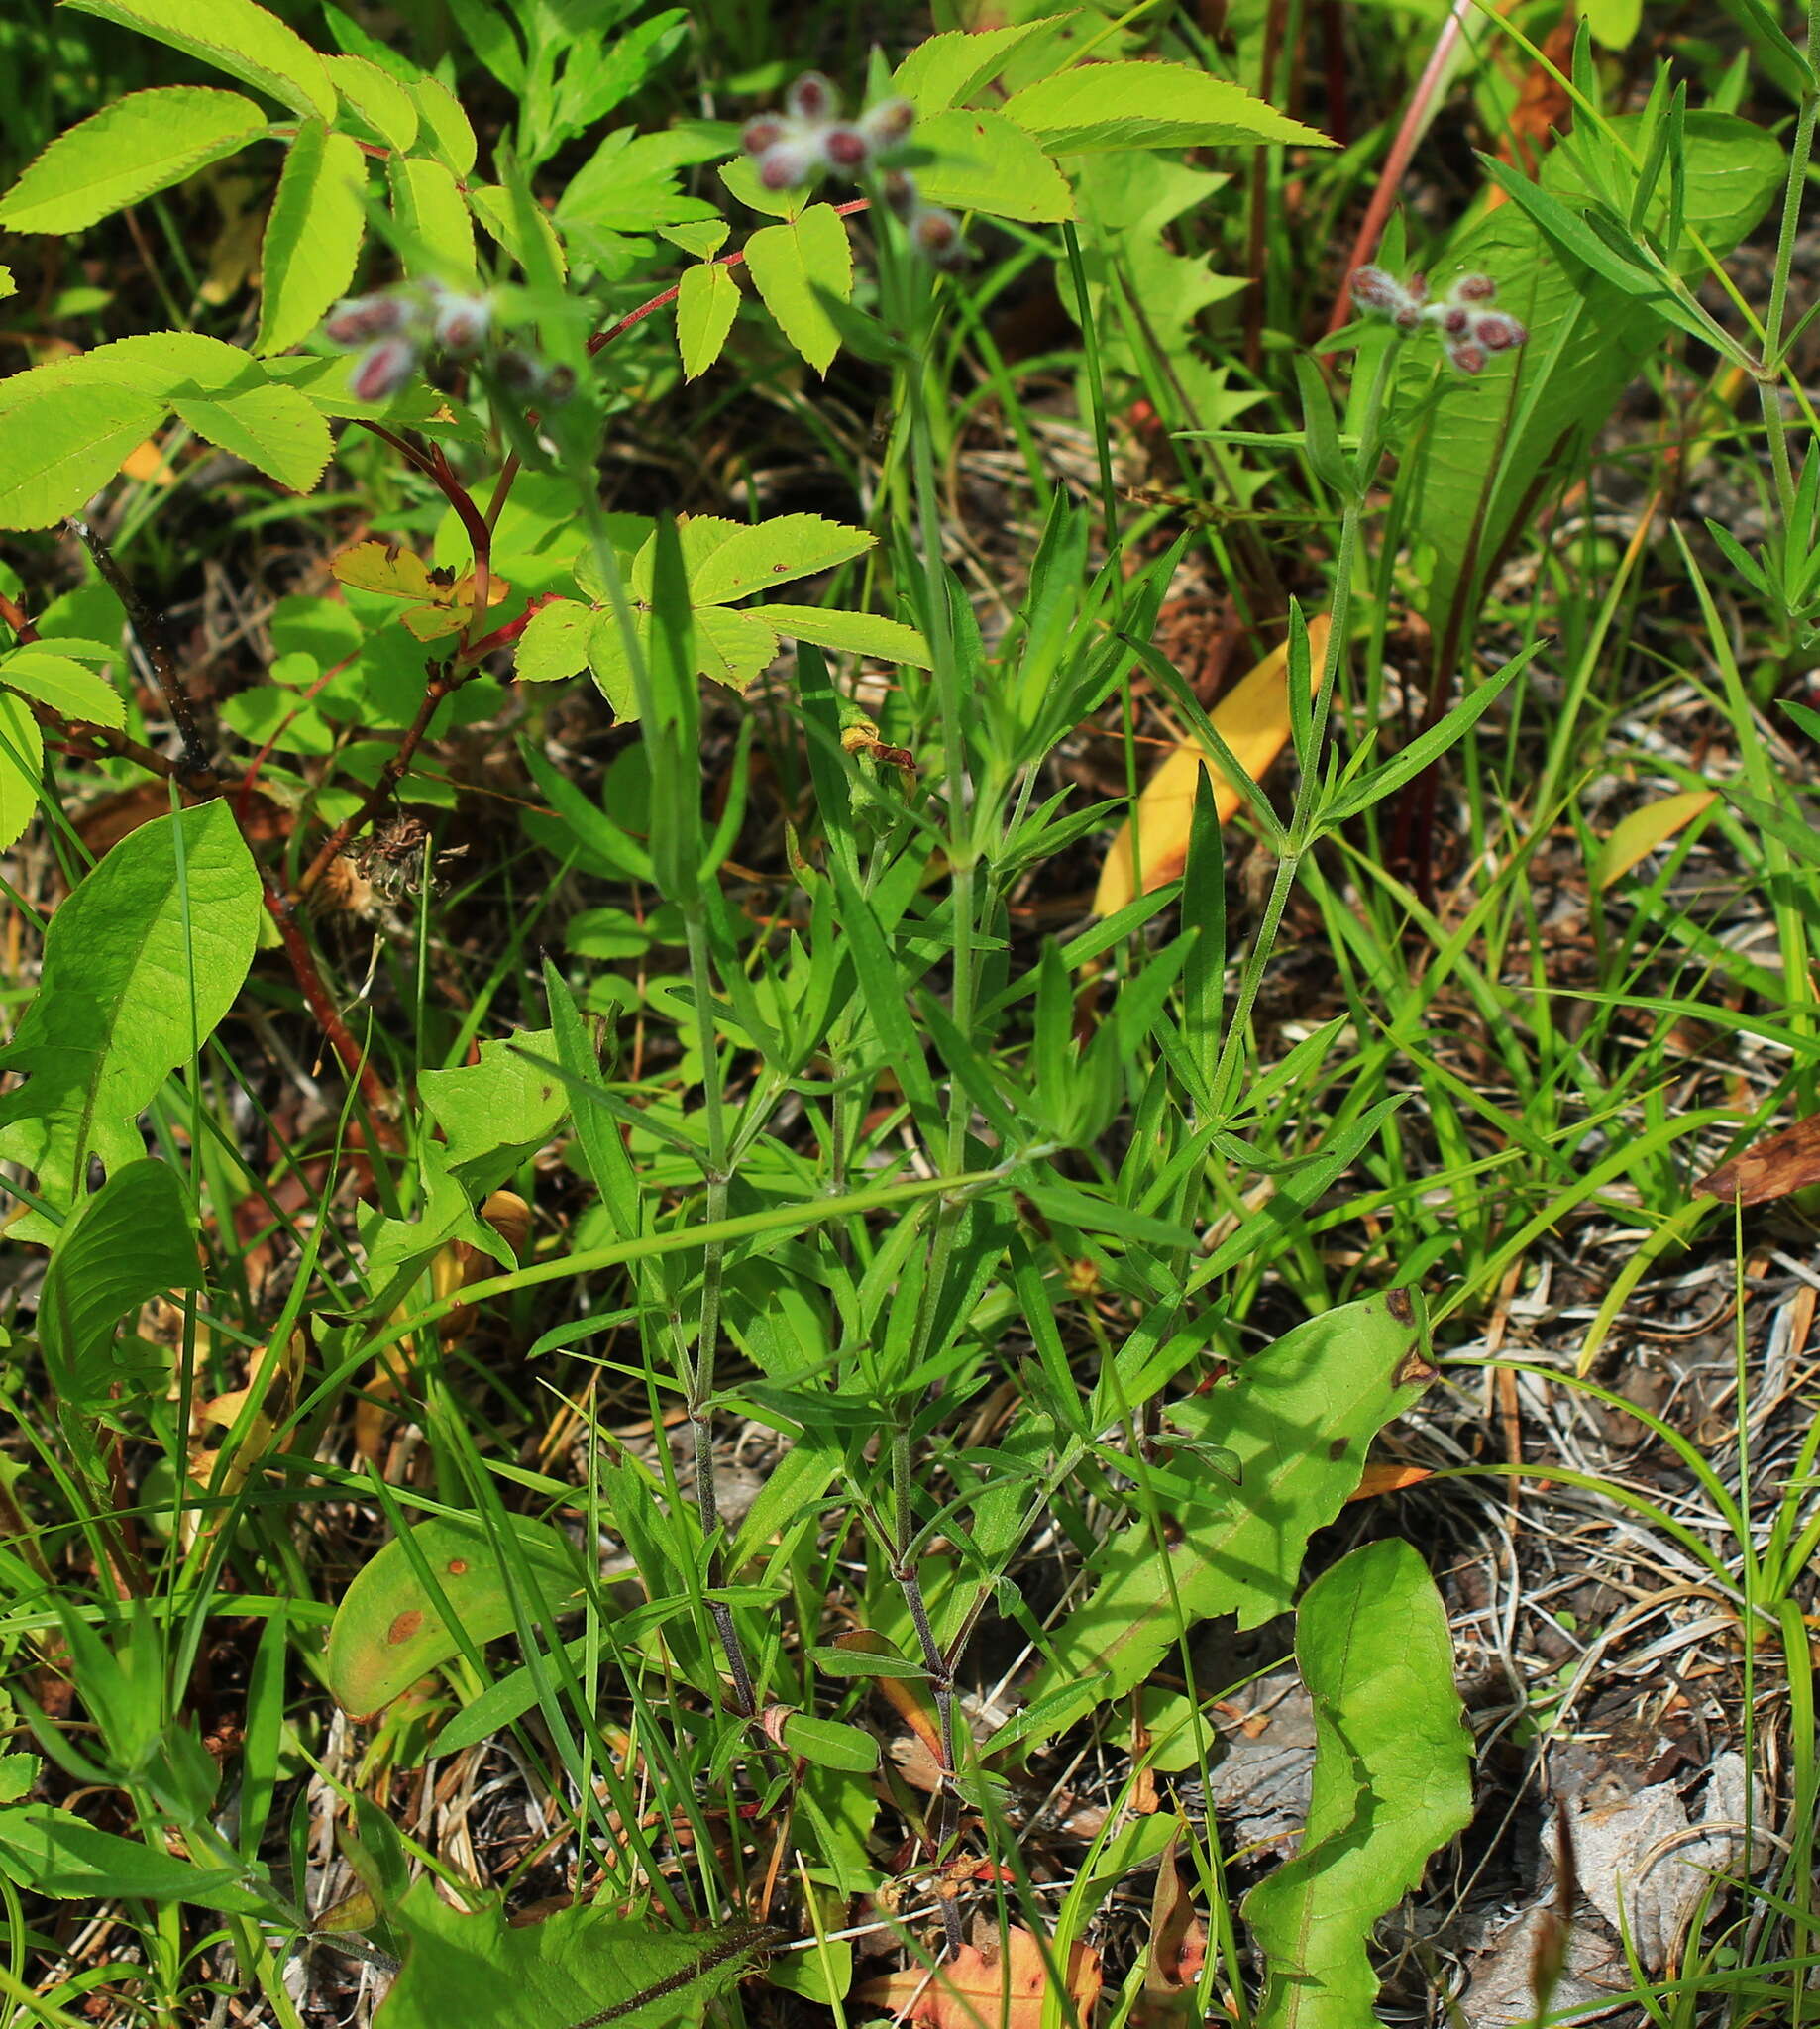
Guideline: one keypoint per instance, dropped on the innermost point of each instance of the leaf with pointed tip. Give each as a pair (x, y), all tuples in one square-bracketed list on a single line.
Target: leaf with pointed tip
[(312, 235)]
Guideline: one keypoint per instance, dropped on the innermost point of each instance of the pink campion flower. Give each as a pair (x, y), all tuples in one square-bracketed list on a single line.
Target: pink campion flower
[(888, 124), (936, 235), (791, 161), (1469, 357), (462, 323), (763, 132), (811, 97), (1473, 288), (1497, 331), (382, 370), (361, 319), (845, 148), (1373, 290)]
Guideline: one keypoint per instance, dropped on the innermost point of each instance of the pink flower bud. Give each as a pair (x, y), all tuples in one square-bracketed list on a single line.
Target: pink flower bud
[(789, 163), (1408, 317), (888, 124), (1467, 358), (382, 370), (900, 191), (1373, 290), (365, 318), (1454, 321), (1418, 288), (762, 134), (1472, 289), (462, 323), (518, 372), (812, 97), (937, 235), (1497, 332), (845, 148)]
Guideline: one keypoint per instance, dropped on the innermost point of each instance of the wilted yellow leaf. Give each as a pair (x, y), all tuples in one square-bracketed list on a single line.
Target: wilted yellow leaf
[(1253, 720), (1637, 836), (385, 566)]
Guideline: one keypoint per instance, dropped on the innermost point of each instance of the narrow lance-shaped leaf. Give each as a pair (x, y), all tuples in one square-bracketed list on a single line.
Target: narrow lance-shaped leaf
[(1390, 1782), (1296, 1422)]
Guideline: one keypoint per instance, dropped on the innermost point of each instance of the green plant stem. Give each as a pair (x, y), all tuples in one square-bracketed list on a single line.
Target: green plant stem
[(1095, 386), (1303, 826), (1793, 192)]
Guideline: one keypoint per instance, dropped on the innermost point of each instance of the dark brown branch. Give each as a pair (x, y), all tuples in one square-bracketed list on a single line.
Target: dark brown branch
[(149, 629)]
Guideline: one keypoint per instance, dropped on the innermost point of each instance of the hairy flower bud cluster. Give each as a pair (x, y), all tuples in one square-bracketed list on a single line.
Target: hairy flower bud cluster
[(393, 329), (810, 138), (1471, 328)]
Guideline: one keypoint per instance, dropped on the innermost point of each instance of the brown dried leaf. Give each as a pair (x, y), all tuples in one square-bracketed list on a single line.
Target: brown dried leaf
[(1788, 1161), (979, 1991), (1387, 1476), (1178, 1948)]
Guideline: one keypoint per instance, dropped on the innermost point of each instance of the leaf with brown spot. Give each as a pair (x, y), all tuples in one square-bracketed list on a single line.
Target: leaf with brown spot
[(1252, 719), (389, 1629), (987, 1989), (1785, 1162)]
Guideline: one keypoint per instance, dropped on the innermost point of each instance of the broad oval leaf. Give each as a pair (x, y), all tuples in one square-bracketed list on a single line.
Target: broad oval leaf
[(706, 302), (789, 263), (1390, 1782), (1148, 105), (140, 964), (553, 644), (273, 428), (313, 235), (247, 41), (850, 633), (388, 1630), (142, 143), (984, 161)]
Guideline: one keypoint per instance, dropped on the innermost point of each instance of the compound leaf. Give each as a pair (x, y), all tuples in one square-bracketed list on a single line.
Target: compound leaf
[(984, 161), (63, 444)]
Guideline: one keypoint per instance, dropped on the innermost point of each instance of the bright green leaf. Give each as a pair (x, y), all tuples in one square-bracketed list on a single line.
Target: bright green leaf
[(553, 644), (63, 444), (59, 681), (140, 964), (512, 226), (707, 300), (142, 143), (788, 263), (158, 364), (273, 428), (948, 69), (1148, 105), (577, 1963), (55, 1852), (243, 39), (22, 761), (388, 1630), (1614, 23), (430, 209), (1298, 1420), (734, 559), (313, 235), (850, 633), (1390, 1782), (446, 131), (984, 162), (385, 105), (492, 1116), (131, 1240)]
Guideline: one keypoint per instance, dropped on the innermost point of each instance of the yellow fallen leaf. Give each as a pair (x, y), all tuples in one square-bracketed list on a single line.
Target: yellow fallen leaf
[(145, 462), (1635, 837), (1253, 720)]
